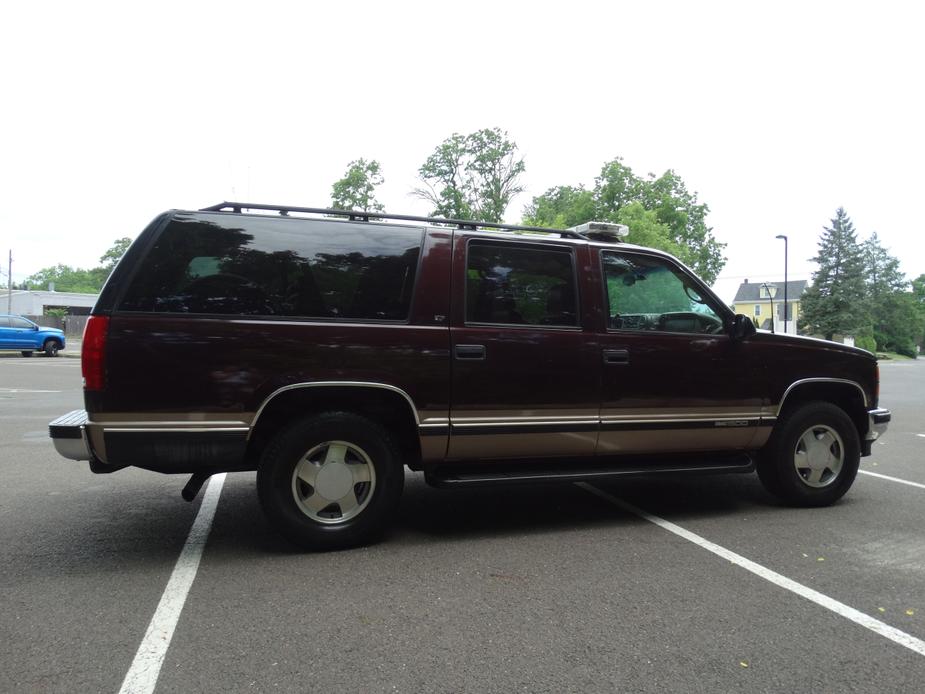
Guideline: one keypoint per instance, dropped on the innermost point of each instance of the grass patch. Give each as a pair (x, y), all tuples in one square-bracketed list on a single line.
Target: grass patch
[(892, 356)]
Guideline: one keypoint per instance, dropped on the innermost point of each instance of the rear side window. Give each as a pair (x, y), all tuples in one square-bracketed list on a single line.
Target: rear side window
[(222, 264), (517, 285)]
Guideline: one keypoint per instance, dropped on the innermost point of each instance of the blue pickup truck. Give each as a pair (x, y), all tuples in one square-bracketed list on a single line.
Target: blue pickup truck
[(20, 334)]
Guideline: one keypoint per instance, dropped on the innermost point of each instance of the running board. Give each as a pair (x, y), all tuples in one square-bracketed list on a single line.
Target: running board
[(501, 473)]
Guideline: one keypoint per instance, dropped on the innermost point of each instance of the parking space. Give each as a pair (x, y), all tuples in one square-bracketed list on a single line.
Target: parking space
[(533, 589)]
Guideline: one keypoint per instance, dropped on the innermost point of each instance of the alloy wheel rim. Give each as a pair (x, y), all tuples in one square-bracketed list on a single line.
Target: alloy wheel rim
[(819, 456), (333, 482)]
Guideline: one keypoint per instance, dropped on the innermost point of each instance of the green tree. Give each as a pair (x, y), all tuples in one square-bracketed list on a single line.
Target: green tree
[(472, 176), (69, 279), (357, 189), (918, 296), (898, 327), (681, 217), (561, 207), (112, 256), (893, 316), (918, 289), (65, 279), (685, 217), (646, 229), (836, 301)]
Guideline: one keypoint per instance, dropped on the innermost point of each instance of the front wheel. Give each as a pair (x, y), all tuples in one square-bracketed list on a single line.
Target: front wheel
[(813, 456), (330, 481), (51, 348)]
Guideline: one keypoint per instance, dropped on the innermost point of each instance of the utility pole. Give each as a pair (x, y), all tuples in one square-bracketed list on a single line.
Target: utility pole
[(9, 284)]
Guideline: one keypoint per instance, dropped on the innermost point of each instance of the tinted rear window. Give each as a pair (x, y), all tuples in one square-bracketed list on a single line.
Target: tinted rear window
[(222, 264), (515, 285)]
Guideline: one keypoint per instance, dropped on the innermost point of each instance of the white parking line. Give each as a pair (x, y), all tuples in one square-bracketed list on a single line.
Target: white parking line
[(839, 608), (892, 479), (143, 674)]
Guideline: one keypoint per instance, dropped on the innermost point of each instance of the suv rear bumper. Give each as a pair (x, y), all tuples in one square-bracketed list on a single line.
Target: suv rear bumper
[(69, 434), (177, 449)]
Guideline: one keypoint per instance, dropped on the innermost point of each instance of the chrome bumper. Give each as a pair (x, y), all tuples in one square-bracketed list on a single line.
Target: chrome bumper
[(68, 433), (878, 421)]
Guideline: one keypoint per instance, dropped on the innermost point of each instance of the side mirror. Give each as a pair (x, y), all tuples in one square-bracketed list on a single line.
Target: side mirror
[(742, 327), (35, 327)]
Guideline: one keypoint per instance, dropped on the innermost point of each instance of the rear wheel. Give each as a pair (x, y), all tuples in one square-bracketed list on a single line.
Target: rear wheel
[(330, 481), (812, 457), (51, 348)]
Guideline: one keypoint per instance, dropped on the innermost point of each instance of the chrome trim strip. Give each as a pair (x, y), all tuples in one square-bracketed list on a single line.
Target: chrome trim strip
[(678, 425), (330, 384), (174, 430), (531, 423), (793, 385), (459, 421), (685, 420), (170, 424)]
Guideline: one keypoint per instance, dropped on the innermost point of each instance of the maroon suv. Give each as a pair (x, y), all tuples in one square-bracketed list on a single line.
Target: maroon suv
[(327, 352)]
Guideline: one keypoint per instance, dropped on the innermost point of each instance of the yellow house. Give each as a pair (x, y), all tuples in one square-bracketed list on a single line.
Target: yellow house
[(756, 299)]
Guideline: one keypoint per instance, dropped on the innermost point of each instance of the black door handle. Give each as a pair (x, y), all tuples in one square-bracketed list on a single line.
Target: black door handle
[(470, 352), (617, 356)]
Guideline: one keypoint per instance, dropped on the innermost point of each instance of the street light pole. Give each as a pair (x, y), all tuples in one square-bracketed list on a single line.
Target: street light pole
[(786, 305)]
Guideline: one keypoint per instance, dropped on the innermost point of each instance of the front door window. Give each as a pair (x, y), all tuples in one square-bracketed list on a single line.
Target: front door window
[(647, 293)]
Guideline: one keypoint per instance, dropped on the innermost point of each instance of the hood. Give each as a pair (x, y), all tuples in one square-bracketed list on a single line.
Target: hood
[(813, 342), (51, 330)]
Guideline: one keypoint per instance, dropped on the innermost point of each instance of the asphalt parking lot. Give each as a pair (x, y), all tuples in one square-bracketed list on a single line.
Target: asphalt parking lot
[(630, 587)]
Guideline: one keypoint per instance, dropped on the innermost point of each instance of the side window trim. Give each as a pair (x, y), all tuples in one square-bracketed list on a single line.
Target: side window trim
[(725, 316), (530, 246)]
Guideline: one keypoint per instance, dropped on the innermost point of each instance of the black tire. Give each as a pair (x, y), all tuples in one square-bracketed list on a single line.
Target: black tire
[(347, 444), (812, 457), (51, 348), (26, 352)]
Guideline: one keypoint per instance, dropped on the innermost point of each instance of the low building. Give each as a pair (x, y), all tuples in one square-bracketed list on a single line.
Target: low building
[(38, 303), (756, 299)]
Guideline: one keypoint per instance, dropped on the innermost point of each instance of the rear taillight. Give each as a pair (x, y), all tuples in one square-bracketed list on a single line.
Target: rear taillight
[(93, 352)]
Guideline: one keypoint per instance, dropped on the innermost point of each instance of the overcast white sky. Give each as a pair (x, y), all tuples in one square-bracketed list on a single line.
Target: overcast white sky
[(775, 114)]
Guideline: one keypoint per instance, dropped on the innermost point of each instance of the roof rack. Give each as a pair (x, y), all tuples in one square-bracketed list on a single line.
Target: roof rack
[(356, 216)]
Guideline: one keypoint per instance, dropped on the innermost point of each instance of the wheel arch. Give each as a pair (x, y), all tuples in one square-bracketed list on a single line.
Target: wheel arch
[(390, 406), (848, 395)]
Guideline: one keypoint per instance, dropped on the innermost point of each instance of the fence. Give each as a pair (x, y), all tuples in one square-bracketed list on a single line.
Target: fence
[(73, 326)]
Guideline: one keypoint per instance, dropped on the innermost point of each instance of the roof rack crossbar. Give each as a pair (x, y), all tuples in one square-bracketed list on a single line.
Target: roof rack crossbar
[(365, 216)]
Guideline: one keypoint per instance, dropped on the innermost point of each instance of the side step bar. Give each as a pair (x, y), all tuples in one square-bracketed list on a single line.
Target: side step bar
[(507, 473)]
